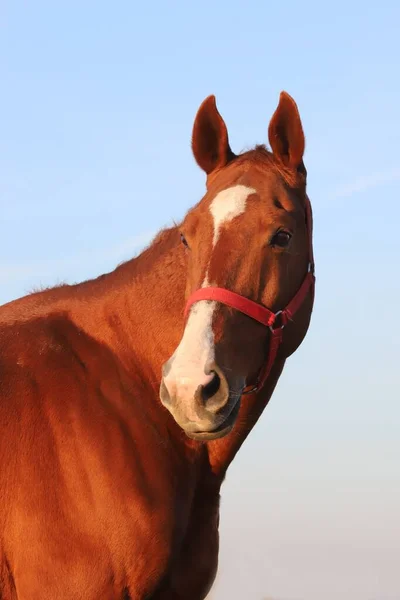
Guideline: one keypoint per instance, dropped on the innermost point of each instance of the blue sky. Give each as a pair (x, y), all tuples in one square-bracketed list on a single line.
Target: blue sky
[(97, 107)]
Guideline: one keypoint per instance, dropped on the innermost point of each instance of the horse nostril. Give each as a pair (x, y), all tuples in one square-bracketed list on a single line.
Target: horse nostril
[(211, 388)]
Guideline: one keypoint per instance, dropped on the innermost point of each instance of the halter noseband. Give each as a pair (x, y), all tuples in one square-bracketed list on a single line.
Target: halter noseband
[(275, 321)]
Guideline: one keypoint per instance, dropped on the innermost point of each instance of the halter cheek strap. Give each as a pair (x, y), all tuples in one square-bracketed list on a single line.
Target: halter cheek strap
[(275, 321)]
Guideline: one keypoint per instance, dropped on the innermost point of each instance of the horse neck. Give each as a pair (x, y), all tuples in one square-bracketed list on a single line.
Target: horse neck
[(136, 310)]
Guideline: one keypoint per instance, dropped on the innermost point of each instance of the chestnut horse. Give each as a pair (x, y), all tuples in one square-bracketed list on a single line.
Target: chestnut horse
[(123, 400)]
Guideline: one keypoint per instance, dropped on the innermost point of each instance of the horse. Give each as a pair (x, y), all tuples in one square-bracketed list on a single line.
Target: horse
[(125, 398)]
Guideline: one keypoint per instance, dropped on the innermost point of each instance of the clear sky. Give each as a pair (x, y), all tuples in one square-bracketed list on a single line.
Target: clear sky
[(97, 102)]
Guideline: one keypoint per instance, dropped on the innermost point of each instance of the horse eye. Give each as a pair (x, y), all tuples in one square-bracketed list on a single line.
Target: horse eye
[(183, 240), (281, 239)]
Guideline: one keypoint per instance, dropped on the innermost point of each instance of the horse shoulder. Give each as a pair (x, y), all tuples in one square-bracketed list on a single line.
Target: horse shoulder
[(80, 461)]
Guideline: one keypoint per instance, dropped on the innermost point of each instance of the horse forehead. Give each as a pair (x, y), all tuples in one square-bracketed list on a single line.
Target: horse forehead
[(228, 204)]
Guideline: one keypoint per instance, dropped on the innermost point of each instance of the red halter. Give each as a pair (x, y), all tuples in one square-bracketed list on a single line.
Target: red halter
[(260, 313)]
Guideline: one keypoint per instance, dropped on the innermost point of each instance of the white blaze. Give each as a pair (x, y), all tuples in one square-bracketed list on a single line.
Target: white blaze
[(227, 205), (196, 349)]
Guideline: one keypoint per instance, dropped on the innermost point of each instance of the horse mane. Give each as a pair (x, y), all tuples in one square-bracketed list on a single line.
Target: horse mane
[(163, 242)]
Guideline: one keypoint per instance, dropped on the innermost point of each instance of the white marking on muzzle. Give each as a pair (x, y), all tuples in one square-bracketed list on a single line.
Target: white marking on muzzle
[(196, 350)]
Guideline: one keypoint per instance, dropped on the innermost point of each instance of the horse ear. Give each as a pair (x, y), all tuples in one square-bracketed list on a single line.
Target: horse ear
[(210, 144), (285, 133)]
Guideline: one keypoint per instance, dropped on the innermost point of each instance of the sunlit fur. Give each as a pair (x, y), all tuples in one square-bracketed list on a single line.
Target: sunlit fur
[(103, 495)]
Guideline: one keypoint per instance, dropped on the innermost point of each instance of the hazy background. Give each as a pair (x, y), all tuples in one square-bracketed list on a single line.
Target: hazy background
[(97, 104)]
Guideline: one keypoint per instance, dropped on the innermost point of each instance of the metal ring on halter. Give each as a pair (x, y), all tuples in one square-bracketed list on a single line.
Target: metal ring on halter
[(272, 328)]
